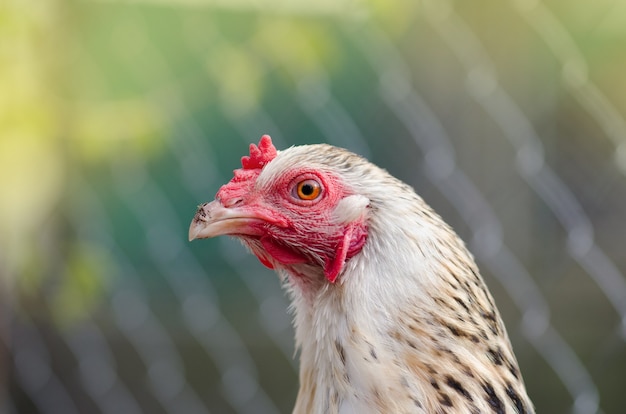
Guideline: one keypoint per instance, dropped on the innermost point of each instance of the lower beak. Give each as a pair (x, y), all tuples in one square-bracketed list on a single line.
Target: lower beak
[(213, 219)]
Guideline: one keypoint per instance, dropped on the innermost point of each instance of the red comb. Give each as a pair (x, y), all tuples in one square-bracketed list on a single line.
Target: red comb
[(244, 178), (259, 155)]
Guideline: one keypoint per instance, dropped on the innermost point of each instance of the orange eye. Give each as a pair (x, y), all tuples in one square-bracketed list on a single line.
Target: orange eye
[(308, 190)]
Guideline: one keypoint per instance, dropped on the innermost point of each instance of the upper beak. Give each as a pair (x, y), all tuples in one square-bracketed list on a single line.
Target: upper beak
[(213, 219)]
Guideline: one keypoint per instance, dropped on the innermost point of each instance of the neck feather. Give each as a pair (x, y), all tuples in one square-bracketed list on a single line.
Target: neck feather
[(408, 312)]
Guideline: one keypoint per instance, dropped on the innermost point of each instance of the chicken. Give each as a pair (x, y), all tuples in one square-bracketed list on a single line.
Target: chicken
[(391, 314)]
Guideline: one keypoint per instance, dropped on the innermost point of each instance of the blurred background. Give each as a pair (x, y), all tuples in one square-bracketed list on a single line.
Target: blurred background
[(117, 118)]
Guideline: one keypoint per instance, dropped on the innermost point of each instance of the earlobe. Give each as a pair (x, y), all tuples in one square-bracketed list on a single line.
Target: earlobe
[(350, 208)]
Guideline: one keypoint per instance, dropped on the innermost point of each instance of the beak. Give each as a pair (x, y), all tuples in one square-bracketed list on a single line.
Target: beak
[(213, 219)]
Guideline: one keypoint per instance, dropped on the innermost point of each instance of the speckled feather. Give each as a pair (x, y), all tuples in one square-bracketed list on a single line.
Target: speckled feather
[(409, 325)]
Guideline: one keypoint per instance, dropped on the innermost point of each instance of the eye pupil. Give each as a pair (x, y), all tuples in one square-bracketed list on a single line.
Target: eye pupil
[(307, 189)]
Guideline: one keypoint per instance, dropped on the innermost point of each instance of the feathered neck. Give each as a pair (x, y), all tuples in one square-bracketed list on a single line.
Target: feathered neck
[(407, 323), (344, 330)]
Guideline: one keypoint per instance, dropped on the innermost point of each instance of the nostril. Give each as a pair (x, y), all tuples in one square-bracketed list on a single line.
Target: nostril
[(232, 202), (202, 211)]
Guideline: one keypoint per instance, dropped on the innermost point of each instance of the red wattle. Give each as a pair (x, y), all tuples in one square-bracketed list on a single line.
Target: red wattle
[(282, 253), (353, 240), (264, 261)]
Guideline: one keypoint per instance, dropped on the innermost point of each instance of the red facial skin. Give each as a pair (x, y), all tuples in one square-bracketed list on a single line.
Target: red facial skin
[(295, 231)]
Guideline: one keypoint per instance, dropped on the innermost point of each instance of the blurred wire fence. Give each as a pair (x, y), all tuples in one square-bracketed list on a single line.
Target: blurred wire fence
[(118, 117)]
